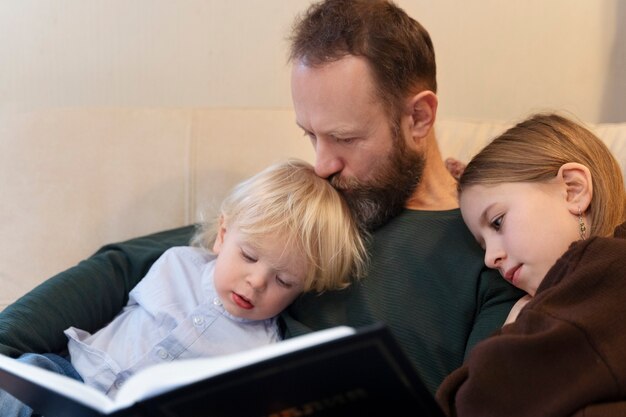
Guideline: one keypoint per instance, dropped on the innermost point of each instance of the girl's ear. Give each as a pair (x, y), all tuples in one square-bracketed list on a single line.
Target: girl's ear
[(219, 238), (423, 110), (578, 186)]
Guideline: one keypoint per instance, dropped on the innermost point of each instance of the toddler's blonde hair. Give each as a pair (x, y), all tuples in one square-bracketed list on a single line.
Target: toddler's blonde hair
[(289, 200)]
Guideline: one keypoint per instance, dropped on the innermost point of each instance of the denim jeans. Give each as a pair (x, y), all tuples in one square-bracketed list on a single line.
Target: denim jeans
[(11, 406)]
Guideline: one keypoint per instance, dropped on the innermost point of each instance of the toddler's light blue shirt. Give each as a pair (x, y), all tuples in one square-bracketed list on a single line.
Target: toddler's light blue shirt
[(173, 313)]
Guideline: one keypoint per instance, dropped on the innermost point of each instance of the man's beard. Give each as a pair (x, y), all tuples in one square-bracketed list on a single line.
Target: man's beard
[(385, 195)]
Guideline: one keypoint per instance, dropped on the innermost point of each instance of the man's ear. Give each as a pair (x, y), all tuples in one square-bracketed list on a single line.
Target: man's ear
[(423, 110), (219, 237), (578, 186)]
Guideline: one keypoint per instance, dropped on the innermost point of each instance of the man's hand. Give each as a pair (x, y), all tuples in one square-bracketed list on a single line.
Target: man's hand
[(455, 167)]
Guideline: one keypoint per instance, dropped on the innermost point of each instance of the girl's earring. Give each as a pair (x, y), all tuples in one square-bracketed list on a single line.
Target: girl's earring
[(582, 229)]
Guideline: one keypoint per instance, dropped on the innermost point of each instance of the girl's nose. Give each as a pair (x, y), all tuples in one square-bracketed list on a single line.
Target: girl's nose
[(494, 257)]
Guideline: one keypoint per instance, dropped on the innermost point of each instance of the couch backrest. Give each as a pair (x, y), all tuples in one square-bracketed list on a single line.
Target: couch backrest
[(72, 180), (462, 139)]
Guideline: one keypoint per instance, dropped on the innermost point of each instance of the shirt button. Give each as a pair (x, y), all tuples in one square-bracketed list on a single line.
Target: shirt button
[(118, 383), (162, 353), (198, 320), (217, 301)]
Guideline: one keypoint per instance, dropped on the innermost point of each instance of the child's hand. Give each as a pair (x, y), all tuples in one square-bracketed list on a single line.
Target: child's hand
[(517, 307), (455, 167)]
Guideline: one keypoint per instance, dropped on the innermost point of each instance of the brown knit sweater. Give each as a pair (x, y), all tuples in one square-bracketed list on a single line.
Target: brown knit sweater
[(566, 352)]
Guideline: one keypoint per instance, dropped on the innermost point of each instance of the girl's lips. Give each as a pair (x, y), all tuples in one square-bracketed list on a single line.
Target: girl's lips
[(241, 301), (512, 275)]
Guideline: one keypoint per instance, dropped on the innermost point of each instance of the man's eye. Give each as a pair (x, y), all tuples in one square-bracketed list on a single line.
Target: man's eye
[(311, 136), (346, 141)]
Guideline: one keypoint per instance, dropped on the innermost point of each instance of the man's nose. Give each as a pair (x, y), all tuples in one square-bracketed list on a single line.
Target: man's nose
[(327, 160)]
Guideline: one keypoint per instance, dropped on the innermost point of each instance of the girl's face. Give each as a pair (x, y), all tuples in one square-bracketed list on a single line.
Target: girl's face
[(523, 227), (254, 282)]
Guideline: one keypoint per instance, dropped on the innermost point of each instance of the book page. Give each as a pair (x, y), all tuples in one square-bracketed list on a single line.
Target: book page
[(66, 386), (164, 377), (168, 376)]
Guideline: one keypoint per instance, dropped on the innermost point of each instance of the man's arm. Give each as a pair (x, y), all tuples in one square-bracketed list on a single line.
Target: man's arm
[(87, 295), (496, 299)]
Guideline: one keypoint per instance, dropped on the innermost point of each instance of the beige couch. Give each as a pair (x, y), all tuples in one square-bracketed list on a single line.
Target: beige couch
[(72, 180)]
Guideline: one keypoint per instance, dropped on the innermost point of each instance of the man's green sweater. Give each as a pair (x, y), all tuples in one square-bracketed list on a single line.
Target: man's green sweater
[(426, 281)]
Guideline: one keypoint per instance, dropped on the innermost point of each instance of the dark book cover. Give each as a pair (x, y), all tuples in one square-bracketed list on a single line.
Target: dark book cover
[(361, 374)]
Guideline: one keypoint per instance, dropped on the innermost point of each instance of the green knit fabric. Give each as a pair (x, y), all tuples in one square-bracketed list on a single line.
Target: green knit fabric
[(87, 295), (427, 282)]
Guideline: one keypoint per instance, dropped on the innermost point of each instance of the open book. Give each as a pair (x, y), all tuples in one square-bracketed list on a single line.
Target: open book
[(335, 372)]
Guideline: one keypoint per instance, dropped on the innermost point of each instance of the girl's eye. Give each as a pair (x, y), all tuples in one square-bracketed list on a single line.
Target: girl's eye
[(496, 223), (282, 282)]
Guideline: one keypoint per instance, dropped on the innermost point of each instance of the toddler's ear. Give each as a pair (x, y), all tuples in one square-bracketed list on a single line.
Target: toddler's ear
[(578, 185), (219, 238)]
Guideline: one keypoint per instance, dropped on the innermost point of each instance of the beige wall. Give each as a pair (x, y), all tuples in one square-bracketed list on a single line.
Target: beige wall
[(497, 59), (119, 118)]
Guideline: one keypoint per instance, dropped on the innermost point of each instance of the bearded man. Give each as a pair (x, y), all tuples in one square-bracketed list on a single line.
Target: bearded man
[(364, 92)]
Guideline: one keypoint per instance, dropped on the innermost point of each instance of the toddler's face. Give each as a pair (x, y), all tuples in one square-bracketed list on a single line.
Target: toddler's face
[(255, 282), (523, 227)]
